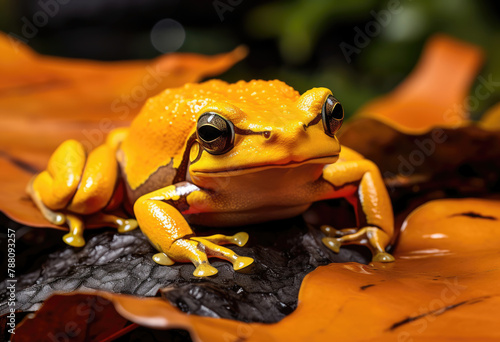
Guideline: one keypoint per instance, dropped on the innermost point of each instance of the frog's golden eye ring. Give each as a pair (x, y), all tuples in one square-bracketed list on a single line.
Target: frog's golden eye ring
[(215, 134), (333, 115)]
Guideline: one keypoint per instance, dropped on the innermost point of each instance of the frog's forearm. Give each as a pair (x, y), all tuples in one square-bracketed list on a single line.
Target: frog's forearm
[(372, 193), (159, 217)]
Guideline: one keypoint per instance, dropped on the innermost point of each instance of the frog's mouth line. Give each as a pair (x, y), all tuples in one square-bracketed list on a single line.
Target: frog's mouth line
[(292, 163)]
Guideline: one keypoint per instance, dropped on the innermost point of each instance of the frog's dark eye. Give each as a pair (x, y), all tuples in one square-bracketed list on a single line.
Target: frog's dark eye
[(215, 134), (333, 115)]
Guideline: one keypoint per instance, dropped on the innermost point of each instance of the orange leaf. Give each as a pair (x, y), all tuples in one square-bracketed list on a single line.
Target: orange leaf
[(451, 226), (46, 100), (416, 298), (434, 94), (413, 299), (81, 318)]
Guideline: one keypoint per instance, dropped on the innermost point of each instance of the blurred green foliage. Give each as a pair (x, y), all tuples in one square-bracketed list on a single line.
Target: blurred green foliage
[(5, 10), (303, 27)]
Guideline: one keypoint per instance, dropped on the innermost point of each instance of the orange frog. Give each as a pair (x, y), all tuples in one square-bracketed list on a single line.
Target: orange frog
[(217, 154)]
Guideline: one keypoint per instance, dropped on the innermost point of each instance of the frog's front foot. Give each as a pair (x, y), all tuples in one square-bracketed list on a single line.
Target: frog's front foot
[(199, 249), (372, 237)]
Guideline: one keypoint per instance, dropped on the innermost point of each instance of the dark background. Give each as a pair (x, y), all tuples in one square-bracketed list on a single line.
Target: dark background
[(296, 41)]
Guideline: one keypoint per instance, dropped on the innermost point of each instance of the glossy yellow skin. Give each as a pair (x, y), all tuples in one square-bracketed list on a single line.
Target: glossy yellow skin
[(281, 161)]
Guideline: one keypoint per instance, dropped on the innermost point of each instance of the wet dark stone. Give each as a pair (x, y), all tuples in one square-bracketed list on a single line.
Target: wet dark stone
[(284, 252)]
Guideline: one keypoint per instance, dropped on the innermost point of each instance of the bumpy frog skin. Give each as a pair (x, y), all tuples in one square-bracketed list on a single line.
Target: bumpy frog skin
[(217, 154)]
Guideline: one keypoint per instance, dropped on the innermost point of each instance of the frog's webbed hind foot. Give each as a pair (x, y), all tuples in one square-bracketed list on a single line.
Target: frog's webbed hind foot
[(372, 237), (199, 249)]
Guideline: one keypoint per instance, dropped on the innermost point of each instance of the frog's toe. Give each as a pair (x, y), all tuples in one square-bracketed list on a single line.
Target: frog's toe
[(332, 243), (127, 225), (74, 240), (242, 262), (332, 232), (329, 230), (214, 250), (162, 259), (57, 218), (383, 257), (239, 239), (205, 270)]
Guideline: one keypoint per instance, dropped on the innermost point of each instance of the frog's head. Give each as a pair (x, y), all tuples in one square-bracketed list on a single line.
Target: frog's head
[(259, 125), (214, 130)]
